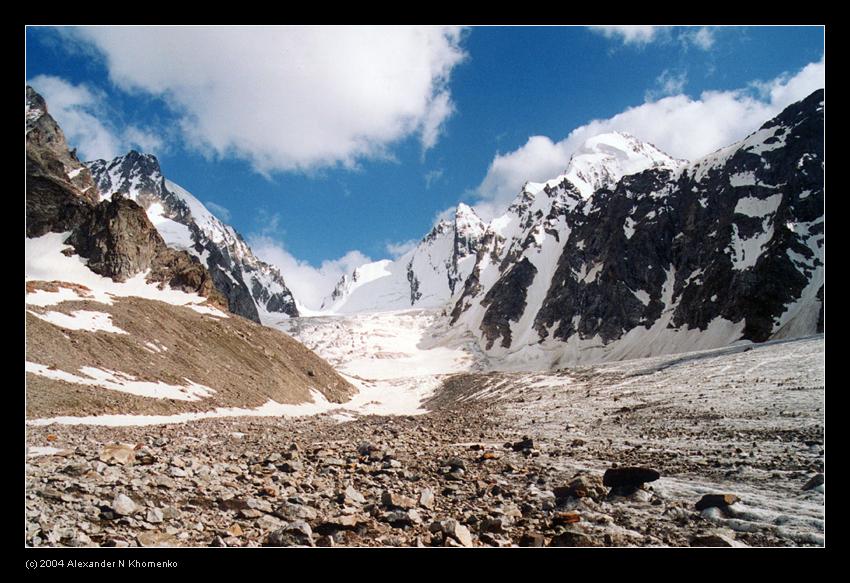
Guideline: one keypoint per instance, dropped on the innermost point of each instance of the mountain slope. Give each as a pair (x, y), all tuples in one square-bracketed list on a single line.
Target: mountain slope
[(676, 257), (119, 322), (253, 288), (427, 276)]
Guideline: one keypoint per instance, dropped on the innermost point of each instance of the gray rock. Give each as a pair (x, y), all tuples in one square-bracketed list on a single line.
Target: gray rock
[(532, 539), (426, 498), (629, 477), (571, 538), (814, 482), (155, 538), (171, 513), (290, 511), (715, 539), (118, 454), (292, 466), (401, 518), (123, 505), (353, 496), (582, 486), (526, 443), (296, 533), (76, 470), (154, 516), (452, 528)]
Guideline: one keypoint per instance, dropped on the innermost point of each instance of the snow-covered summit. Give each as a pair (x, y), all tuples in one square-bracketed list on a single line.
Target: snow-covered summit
[(604, 159)]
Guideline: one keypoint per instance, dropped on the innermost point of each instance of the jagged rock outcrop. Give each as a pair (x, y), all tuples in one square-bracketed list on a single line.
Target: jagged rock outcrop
[(738, 236), (115, 235), (120, 242), (59, 189), (117, 239), (47, 150)]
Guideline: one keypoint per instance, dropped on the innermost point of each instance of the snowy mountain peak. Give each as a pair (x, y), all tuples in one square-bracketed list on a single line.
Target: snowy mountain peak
[(254, 289), (602, 160), (467, 221), (133, 175)]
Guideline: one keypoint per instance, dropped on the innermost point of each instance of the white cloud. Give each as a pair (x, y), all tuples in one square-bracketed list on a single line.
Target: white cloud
[(667, 83), (788, 89), (702, 38), (147, 141), (219, 211), (432, 177), (630, 34), (83, 115), (75, 109), (290, 98), (309, 284), (398, 249), (683, 127)]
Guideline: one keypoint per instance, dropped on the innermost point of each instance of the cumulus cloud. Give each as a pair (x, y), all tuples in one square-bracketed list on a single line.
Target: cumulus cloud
[(667, 83), (309, 284), (702, 38), (82, 113), (290, 98), (639, 36), (630, 34), (679, 125)]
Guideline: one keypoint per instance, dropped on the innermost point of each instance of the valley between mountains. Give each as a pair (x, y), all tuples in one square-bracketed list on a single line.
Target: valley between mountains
[(631, 355)]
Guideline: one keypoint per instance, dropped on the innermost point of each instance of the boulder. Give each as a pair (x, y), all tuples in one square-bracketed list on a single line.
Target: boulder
[(716, 501)]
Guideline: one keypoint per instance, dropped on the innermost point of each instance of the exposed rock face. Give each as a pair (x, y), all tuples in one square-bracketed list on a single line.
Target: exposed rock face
[(47, 151), (253, 288), (52, 205), (736, 236), (508, 297), (120, 242), (117, 238), (114, 235), (59, 189), (674, 254)]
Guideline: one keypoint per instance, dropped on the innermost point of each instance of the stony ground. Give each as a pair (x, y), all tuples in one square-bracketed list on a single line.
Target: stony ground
[(745, 423)]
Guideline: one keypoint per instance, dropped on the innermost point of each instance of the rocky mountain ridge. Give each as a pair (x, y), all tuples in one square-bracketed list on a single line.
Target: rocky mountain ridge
[(631, 252), (114, 235), (121, 323), (254, 289)]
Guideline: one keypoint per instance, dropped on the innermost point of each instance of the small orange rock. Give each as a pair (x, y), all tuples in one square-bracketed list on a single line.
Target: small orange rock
[(270, 491), (51, 437), (566, 518)]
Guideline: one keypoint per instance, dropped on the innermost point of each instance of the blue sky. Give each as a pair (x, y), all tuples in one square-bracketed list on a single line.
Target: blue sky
[(328, 146)]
